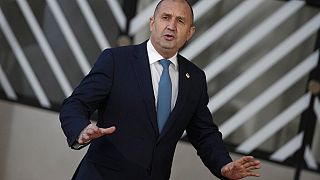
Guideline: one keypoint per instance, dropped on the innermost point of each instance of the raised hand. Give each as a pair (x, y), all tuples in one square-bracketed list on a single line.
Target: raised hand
[(241, 168), (92, 131)]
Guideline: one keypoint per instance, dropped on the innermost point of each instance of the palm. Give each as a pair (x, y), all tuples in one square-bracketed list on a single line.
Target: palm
[(241, 168)]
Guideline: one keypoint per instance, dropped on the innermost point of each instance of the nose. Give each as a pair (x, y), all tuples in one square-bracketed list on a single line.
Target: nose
[(172, 25)]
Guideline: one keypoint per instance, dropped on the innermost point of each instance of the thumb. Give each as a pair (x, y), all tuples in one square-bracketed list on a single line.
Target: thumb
[(108, 130)]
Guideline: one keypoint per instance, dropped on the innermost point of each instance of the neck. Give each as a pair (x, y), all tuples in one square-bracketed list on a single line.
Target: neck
[(165, 54)]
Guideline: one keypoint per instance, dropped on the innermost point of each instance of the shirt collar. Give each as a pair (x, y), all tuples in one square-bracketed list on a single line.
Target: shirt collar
[(154, 56)]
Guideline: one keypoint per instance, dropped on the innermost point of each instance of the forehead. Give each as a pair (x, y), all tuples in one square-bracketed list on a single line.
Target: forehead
[(177, 8)]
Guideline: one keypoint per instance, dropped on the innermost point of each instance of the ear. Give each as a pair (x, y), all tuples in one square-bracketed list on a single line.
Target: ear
[(151, 23), (192, 30)]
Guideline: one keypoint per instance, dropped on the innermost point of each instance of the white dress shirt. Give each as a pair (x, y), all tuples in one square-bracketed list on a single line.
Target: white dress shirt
[(156, 70)]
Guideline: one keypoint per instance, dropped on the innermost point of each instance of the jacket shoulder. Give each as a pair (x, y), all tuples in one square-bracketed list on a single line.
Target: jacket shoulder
[(124, 50), (190, 65)]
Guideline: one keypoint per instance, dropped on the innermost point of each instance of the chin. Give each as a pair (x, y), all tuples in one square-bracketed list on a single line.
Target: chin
[(168, 45)]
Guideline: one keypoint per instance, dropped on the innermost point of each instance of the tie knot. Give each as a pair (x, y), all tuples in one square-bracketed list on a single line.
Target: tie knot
[(165, 63)]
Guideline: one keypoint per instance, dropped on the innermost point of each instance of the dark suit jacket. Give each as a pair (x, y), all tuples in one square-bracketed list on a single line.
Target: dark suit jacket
[(120, 87)]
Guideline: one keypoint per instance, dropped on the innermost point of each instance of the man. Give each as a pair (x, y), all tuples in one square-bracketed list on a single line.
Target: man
[(135, 135)]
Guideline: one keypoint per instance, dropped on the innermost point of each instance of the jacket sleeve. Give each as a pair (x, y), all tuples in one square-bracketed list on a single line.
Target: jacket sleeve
[(205, 136), (85, 99)]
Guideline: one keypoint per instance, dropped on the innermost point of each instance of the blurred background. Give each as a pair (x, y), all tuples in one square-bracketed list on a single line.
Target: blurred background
[(261, 58)]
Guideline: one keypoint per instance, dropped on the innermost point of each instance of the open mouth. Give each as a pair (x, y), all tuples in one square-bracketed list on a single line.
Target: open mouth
[(169, 37)]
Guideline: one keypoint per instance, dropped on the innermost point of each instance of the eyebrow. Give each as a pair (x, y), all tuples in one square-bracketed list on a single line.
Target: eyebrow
[(177, 17)]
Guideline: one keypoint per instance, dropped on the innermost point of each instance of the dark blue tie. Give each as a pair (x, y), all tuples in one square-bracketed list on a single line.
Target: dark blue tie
[(164, 95)]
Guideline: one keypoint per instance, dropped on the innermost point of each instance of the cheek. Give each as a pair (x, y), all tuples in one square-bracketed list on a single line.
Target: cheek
[(183, 36), (155, 28)]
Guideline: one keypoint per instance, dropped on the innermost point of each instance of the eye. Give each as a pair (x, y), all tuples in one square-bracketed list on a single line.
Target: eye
[(181, 21), (165, 17)]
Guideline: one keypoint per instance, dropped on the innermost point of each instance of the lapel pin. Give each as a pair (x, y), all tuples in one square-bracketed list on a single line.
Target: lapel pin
[(187, 75)]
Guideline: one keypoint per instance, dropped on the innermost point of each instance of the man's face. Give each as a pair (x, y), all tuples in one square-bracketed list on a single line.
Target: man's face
[(171, 27)]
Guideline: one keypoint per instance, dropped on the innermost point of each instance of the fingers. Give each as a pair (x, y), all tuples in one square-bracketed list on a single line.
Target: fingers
[(253, 174), (109, 130), (83, 138), (248, 162), (250, 165), (92, 131), (254, 163), (247, 165), (245, 159)]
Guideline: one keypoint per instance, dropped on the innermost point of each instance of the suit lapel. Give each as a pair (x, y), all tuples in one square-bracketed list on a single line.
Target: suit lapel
[(182, 95), (143, 74), (142, 70)]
